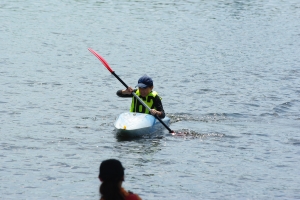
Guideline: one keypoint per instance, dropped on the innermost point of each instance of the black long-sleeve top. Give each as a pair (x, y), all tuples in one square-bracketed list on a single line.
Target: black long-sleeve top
[(157, 102)]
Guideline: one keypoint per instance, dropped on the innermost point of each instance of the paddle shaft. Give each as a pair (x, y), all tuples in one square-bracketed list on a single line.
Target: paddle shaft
[(133, 93)]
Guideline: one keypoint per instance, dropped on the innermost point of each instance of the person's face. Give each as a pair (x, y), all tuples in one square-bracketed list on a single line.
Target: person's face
[(145, 91)]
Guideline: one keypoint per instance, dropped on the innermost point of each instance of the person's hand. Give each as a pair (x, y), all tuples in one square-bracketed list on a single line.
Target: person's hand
[(154, 112), (129, 90)]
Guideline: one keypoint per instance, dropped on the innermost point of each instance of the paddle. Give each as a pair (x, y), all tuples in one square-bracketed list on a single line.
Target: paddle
[(134, 94)]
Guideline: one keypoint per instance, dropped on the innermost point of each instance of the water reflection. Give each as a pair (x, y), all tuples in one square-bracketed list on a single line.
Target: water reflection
[(144, 146), (157, 135)]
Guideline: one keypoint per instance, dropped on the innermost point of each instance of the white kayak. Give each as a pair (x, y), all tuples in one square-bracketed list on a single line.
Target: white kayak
[(130, 124)]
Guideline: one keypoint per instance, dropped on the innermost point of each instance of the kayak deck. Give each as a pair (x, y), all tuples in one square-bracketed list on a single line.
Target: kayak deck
[(130, 124)]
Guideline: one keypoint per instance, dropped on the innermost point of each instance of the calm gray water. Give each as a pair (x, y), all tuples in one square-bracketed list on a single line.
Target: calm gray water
[(228, 73)]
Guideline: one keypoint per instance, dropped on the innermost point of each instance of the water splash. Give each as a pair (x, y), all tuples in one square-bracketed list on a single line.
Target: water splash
[(194, 135)]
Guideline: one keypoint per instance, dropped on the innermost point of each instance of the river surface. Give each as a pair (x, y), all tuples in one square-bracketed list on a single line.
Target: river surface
[(228, 73)]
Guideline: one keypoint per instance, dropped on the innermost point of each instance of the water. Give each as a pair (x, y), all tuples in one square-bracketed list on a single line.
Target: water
[(228, 73)]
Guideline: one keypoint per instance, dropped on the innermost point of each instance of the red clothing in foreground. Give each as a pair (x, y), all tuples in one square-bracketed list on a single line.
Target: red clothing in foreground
[(128, 195)]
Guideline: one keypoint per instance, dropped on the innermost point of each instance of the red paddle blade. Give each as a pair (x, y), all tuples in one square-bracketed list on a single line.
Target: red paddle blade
[(101, 59)]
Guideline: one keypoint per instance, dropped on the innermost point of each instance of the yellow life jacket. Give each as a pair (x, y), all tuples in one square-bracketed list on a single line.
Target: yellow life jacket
[(136, 105)]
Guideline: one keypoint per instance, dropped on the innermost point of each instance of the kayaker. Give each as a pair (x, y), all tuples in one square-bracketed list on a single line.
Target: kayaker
[(146, 93), (111, 174)]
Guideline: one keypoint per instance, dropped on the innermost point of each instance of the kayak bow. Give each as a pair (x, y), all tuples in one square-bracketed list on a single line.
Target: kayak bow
[(130, 124)]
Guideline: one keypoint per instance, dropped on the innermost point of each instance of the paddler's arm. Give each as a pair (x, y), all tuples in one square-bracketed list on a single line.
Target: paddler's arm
[(126, 92), (160, 114), (159, 108)]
